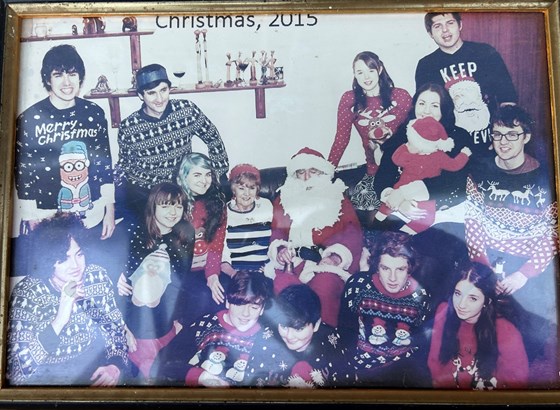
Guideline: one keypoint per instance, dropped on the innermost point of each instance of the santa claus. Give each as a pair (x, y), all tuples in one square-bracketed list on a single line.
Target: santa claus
[(316, 235)]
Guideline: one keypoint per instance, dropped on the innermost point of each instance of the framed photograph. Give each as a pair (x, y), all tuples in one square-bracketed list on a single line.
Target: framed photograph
[(218, 201)]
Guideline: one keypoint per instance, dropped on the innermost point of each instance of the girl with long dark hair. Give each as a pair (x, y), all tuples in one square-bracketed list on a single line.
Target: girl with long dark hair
[(473, 346)]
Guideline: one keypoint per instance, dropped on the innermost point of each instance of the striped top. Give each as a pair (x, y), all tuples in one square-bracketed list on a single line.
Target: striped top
[(248, 236)]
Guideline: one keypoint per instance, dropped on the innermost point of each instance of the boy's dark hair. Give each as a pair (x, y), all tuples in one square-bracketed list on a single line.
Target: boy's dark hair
[(512, 116), (65, 59), (428, 19), (250, 287), (50, 241), (297, 306)]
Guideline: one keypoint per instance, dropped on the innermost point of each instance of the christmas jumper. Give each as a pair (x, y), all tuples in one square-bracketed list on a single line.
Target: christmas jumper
[(207, 254), (42, 132), (373, 116), (210, 345), (93, 337), (512, 213), (343, 238), (247, 236), (380, 328), (160, 278), (323, 363), (447, 189), (477, 61), (512, 367), (151, 149)]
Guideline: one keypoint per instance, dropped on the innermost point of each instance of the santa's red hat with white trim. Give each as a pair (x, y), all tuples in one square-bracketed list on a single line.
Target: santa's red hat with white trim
[(307, 158)]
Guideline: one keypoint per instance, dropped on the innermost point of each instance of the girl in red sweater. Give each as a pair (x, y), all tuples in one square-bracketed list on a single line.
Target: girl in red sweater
[(206, 211), (472, 346)]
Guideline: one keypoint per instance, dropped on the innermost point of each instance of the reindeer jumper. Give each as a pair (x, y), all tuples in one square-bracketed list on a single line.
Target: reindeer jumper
[(512, 212), (367, 123)]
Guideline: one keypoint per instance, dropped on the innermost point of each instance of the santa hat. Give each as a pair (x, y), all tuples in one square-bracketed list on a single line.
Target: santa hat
[(245, 169), (377, 321), (73, 150), (460, 80), (430, 131), (307, 158), (303, 370), (160, 253)]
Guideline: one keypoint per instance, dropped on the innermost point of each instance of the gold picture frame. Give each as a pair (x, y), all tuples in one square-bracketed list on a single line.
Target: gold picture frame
[(21, 28)]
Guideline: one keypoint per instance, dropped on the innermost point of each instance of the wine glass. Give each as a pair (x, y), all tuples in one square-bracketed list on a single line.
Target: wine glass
[(179, 72), (243, 66)]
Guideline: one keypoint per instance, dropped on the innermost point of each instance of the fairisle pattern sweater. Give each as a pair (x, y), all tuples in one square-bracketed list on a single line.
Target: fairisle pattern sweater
[(151, 149)]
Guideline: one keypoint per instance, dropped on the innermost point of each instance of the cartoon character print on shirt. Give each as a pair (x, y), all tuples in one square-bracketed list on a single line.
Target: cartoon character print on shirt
[(402, 335), (380, 127), (237, 372), (151, 278), (75, 193), (519, 197), (215, 362), (378, 332), (471, 111)]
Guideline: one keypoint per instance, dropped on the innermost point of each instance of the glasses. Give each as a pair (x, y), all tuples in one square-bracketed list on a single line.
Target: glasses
[(510, 136), (69, 166)]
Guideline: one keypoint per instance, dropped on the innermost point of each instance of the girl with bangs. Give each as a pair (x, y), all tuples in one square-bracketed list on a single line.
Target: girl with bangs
[(155, 285)]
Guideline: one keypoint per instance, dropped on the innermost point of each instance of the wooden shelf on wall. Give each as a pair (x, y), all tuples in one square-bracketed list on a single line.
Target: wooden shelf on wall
[(115, 96), (80, 36)]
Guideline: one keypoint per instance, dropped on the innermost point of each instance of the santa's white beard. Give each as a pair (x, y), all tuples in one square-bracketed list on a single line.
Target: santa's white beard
[(473, 119), (312, 204)]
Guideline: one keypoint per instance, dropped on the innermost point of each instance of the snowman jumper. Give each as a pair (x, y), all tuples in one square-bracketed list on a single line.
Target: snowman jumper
[(382, 330), (41, 132), (512, 368), (210, 345), (324, 363)]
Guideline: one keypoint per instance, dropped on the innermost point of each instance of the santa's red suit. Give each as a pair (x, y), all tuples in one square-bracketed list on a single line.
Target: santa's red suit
[(315, 214)]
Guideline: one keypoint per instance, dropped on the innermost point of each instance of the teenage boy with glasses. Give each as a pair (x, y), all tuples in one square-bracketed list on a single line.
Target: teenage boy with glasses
[(511, 214)]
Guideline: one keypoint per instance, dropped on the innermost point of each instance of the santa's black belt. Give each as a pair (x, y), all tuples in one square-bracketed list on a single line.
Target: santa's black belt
[(310, 253)]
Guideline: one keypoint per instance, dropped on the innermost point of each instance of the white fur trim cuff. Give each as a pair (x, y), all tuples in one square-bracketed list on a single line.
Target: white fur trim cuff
[(341, 251)]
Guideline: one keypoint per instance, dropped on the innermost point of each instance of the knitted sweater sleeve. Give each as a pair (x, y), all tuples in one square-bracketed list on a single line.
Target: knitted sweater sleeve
[(209, 134), (512, 368), (441, 372), (215, 250), (345, 117)]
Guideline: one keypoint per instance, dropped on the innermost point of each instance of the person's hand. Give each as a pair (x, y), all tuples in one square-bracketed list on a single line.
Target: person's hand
[(394, 199), (108, 222), (71, 291), (130, 339), (333, 259), (228, 269), (216, 287), (123, 287), (467, 151), (411, 210), (106, 376), (209, 380), (511, 283), (284, 256)]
